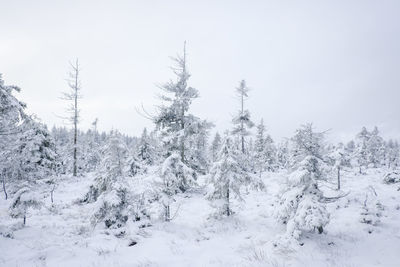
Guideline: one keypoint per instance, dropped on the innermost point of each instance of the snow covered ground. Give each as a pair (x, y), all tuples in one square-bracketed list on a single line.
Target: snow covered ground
[(63, 236)]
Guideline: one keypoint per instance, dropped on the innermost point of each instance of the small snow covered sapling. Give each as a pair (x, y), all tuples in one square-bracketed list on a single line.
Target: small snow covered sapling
[(226, 178), (340, 160), (112, 207), (22, 201), (176, 177), (371, 211)]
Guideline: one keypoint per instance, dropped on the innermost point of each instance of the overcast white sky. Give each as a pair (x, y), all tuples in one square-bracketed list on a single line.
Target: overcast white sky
[(333, 63)]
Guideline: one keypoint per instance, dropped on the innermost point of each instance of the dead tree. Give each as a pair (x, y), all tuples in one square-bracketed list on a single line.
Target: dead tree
[(72, 97)]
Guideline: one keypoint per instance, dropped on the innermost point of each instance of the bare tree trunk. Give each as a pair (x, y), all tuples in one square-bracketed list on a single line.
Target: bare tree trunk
[(4, 187), (228, 210), (73, 96), (338, 178), (24, 219), (76, 118), (167, 214), (52, 193), (182, 144), (241, 123)]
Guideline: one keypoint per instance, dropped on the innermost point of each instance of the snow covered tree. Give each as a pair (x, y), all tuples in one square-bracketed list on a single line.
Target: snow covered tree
[(29, 155), (72, 97), (305, 143), (282, 154), (23, 199), (226, 178), (61, 137), (264, 149), (361, 148), (259, 149), (135, 166), (301, 205), (371, 210), (270, 153), (340, 160), (215, 147), (12, 116), (197, 144), (173, 119), (177, 126), (35, 152), (175, 176), (110, 190), (392, 154), (12, 111), (92, 153), (242, 122), (113, 164), (376, 148), (146, 152)]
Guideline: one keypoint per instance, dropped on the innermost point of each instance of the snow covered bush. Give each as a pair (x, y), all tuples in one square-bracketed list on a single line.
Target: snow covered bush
[(392, 177), (226, 178), (23, 200), (111, 207)]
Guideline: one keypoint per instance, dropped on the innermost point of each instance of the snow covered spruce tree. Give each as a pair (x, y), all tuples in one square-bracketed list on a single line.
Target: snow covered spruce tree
[(376, 149), (12, 112), (301, 205), (72, 97), (23, 199), (27, 148), (215, 147), (110, 190), (173, 173), (146, 152), (340, 159), (264, 150), (361, 149), (12, 116), (92, 146), (226, 178), (392, 154), (35, 155), (177, 126), (242, 120), (282, 154), (197, 145), (61, 136)]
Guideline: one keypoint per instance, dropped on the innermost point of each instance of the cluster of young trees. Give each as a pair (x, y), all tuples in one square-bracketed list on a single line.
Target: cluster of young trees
[(177, 152)]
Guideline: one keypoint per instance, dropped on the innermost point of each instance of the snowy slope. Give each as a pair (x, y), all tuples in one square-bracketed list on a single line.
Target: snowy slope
[(63, 236)]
